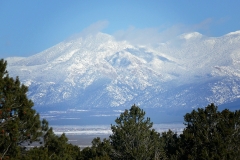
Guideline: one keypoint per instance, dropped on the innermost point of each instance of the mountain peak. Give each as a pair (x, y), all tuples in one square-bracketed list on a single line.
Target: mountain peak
[(96, 70)]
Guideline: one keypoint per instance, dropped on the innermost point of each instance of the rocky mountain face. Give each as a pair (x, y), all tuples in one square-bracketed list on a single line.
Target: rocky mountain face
[(97, 71)]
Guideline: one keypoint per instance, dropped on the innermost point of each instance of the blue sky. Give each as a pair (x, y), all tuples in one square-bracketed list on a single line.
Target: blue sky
[(28, 27)]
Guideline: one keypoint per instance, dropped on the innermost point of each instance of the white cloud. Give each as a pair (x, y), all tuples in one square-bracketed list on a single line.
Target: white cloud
[(204, 25), (94, 28), (152, 36), (138, 36), (91, 30), (148, 36)]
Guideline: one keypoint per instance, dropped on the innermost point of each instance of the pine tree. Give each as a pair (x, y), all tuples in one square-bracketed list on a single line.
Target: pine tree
[(211, 134), (19, 122), (100, 150), (58, 148), (133, 137), (171, 142)]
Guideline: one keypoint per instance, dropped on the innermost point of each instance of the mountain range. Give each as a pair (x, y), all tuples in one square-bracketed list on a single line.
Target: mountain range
[(98, 71)]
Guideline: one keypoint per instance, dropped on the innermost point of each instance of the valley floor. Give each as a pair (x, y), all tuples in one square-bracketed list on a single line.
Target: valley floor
[(82, 135)]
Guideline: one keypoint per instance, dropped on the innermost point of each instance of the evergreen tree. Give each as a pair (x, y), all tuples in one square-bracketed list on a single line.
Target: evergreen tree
[(100, 150), (171, 144), (54, 148), (57, 147), (20, 125), (133, 137), (211, 134), (19, 122)]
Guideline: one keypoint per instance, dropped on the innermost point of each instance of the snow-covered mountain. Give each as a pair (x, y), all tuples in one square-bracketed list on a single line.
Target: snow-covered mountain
[(97, 71)]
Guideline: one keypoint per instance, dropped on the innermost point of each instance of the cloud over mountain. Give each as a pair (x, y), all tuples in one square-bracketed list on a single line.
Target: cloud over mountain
[(190, 70)]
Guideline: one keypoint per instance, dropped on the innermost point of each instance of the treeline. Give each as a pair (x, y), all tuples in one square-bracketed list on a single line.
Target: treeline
[(208, 133)]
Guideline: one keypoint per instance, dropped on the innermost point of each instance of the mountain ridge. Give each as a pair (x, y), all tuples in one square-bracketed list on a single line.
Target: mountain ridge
[(191, 70)]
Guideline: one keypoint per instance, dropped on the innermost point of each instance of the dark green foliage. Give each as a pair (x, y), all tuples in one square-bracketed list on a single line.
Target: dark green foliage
[(19, 122), (36, 154), (58, 148), (171, 144), (100, 150), (20, 125), (211, 134), (55, 148), (134, 138)]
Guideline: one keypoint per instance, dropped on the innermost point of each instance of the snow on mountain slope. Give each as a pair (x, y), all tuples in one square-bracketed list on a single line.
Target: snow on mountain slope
[(191, 70)]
